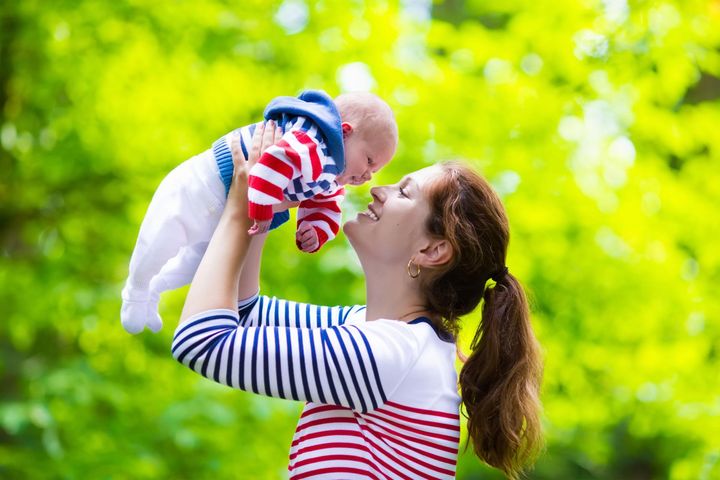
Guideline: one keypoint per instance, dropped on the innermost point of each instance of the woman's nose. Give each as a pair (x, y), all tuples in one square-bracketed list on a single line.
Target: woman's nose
[(378, 193)]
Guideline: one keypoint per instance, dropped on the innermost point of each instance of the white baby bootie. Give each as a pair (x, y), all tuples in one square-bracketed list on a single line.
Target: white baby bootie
[(140, 310)]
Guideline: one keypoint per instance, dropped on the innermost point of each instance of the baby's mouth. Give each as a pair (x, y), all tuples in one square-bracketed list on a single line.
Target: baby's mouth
[(345, 179)]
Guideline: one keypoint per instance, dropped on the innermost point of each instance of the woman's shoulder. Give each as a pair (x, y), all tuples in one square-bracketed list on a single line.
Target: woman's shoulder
[(422, 327)]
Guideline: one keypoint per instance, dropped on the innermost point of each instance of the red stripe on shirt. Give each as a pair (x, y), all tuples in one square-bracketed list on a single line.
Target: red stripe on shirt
[(323, 408), (416, 421), (394, 458), (417, 430), (409, 438), (332, 458), (324, 446), (329, 204), (367, 450), (323, 421), (277, 164), (326, 433), (329, 470), (308, 142), (292, 155), (417, 461), (259, 212), (423, 411), (321, 217), (423, 452), (266, 187)]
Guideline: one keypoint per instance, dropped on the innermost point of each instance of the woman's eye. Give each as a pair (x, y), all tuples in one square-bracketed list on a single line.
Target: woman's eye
[(402, 192)]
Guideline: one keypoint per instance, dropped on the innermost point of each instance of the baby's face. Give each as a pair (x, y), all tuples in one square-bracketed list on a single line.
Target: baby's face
[(363, 157)]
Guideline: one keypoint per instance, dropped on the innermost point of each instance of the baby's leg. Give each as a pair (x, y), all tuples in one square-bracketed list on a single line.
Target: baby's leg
[(179, 271), (183, 212)]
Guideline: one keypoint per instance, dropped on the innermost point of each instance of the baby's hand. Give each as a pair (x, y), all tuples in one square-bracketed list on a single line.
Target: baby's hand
[(259, 227), (307, 238)]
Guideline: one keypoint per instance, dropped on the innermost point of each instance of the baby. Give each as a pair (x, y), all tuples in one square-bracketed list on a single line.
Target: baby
[(325, 145)]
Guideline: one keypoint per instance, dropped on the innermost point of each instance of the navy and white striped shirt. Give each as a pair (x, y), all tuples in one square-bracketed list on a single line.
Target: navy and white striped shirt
[(379, 393)]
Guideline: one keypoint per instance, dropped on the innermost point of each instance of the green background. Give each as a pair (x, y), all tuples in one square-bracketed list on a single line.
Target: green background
[(597, 121)]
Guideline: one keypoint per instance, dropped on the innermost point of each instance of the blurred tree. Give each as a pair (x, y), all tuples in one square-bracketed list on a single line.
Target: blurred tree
[(595, 121)]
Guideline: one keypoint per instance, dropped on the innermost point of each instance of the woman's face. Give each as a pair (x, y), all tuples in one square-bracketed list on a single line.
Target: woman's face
[(393, 225)]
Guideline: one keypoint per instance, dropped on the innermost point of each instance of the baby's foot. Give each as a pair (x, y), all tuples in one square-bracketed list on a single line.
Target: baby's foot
[(138, 311), (153, 320), (133, 316)]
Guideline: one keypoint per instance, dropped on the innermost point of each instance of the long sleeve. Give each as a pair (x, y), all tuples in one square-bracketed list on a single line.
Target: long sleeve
[(357, 366), (297, 154), (322, 212)]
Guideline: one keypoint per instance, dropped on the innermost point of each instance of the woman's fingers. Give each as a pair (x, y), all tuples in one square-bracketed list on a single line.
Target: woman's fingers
[(266, 134), (257, 144), (239, 163), (268, 137), (237, 154), (237, 197)]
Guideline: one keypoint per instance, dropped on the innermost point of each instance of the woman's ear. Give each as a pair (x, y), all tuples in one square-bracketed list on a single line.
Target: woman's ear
[(347, 129), (435, 253)]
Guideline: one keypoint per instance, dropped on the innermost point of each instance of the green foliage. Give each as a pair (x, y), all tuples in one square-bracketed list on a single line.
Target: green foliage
[(596, 121)]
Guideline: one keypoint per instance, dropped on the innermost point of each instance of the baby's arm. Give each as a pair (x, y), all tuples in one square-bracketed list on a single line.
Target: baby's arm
[(295, 155), (318, 220)]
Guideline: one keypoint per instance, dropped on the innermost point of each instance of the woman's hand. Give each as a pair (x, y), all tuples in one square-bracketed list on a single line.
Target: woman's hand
[(266, 134), (230, 266), (237, 202)]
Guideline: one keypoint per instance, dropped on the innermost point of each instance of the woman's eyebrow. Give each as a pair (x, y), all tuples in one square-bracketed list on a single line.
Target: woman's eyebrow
[(407, 181)]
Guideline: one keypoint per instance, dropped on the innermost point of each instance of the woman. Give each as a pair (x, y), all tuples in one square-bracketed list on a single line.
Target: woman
[(380, 380)]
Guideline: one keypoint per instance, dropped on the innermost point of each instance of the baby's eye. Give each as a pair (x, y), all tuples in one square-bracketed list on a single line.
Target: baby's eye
[(369, 161), (402, 192)]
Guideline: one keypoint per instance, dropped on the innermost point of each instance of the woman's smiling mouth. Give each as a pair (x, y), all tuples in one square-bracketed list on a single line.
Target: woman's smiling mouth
[(370, 212)]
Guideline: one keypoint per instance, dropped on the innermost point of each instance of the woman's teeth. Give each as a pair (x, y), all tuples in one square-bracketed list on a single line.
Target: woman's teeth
[(370, 214)]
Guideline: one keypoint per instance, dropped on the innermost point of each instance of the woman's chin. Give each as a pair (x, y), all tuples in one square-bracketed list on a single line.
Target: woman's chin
[(349, 228), (353, 231)]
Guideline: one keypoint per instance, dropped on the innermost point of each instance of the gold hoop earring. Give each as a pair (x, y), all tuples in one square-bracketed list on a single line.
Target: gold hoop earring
[(417, 271)]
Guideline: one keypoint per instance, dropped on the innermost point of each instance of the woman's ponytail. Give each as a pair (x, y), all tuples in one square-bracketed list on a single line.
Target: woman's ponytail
[(500, 381)]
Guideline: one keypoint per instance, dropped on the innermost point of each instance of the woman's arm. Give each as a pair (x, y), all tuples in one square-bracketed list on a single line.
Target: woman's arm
[(216, 281), (355, 366), (249, 283)]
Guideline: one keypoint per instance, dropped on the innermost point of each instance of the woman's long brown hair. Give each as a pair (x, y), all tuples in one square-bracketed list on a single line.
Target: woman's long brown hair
[(500, 380)]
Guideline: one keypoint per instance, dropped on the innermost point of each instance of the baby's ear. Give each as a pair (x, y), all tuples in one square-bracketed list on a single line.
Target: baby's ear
[(347, 129)]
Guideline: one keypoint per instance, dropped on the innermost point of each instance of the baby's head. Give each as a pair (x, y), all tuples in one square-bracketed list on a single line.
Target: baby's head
[(370, 135)]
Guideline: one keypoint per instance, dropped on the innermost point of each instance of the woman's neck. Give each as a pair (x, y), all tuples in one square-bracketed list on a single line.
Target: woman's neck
[(393, 296)]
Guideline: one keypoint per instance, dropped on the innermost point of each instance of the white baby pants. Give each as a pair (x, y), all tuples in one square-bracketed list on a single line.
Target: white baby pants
[(174, 234)]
